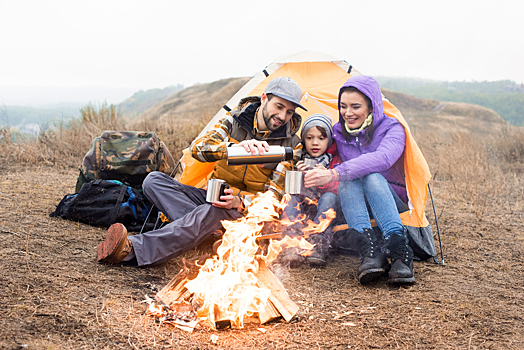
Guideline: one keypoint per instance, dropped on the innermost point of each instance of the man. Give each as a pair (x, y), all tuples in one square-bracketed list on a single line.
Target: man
[(257, 123)]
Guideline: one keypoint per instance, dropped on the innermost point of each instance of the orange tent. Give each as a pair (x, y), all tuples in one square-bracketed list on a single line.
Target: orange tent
[(320, 76)]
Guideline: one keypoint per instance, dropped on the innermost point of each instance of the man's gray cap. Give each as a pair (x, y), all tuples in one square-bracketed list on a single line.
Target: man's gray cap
[(285, 88)]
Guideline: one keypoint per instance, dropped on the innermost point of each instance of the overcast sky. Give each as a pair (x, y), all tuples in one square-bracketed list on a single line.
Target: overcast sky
[(154, 44)]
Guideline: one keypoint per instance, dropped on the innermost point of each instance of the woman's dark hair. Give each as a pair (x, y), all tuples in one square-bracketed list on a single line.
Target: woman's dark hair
[(354, 89), (371, 129)]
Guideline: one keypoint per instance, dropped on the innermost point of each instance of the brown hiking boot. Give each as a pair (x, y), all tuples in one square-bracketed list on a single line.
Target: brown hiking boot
[(116, 246)]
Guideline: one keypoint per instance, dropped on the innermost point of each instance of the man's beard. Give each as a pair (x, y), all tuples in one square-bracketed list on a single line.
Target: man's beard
[(267, 119)]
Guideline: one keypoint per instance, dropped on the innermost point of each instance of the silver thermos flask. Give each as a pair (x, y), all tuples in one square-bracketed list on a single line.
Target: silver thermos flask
[(237, 155)]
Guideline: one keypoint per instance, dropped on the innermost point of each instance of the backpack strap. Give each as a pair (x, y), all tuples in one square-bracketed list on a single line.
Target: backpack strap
[(139, 206), (123, 190)]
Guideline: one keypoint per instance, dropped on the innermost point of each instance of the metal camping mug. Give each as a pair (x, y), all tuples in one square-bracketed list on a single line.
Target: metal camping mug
[(293, 182), (215, 189), (310, 163)]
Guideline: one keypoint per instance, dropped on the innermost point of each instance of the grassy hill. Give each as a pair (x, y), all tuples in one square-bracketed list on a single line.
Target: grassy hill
[(425, 113), (181, 116), (178, 118), (504, 97), (142, 100), (201, 102), (195, 101)]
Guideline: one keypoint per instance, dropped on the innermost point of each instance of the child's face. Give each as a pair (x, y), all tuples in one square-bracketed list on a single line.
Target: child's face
[(316, 144)]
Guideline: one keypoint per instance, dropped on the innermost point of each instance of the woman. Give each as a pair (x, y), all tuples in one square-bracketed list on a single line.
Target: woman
[(372, 181)]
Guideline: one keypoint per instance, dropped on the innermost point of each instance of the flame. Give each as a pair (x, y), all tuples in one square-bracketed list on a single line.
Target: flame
[(322, 225), (155, 309), (226, 285), (285, 200), (307, 253), (310, 201)]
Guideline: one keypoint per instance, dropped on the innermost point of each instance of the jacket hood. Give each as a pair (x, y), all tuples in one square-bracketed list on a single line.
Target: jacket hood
[(246, 112), (369, 87)]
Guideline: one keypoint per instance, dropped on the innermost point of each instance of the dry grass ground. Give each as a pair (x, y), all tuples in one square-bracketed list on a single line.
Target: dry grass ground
[(55, 295)]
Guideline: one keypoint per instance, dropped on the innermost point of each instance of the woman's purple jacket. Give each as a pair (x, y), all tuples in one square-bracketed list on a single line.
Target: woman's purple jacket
[(384, 154)]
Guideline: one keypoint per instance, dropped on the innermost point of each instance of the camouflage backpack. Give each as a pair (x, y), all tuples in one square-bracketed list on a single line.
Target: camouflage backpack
[(126, 156)]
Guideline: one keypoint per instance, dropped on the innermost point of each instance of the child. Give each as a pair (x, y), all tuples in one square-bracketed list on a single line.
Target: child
[(318, 145)]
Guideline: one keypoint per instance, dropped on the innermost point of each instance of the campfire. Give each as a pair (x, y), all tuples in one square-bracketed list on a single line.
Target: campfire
[(236, 284)]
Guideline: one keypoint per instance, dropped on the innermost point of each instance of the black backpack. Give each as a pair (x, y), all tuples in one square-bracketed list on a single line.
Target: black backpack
[(105, 202)]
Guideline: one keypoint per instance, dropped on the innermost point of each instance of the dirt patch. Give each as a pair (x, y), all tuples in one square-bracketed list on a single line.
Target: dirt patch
[(56, 296)]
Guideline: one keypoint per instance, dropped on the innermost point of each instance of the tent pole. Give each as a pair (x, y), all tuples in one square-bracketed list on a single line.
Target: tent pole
[(438, 229), (147, 218), (156, 222)]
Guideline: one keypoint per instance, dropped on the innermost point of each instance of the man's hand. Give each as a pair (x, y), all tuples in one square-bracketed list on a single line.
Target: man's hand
[(253, 145), (319, 176), (228, 201)]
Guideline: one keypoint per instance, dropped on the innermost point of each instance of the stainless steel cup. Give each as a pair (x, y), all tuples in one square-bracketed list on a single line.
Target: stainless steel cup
[(310, 163), (215, 189), (293, 182)]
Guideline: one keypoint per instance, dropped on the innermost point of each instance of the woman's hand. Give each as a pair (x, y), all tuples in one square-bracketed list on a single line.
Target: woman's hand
[(228, 201), (317, 177), (253, 145)]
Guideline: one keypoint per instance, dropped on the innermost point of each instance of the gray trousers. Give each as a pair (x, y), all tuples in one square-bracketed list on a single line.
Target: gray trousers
[(192, 220)]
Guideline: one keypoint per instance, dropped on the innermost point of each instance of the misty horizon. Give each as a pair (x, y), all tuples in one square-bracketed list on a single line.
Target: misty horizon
[(38, 96), (51, 96)]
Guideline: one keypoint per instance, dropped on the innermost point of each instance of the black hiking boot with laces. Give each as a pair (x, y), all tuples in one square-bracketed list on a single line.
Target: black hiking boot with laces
[(401, 254), (373, 262)]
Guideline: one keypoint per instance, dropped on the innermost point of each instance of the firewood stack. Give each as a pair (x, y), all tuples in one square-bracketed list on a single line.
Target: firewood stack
[(278, 305)]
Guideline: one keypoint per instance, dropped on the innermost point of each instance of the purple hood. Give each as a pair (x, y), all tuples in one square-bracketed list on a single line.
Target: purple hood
[(369, 87), (384, 151)]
